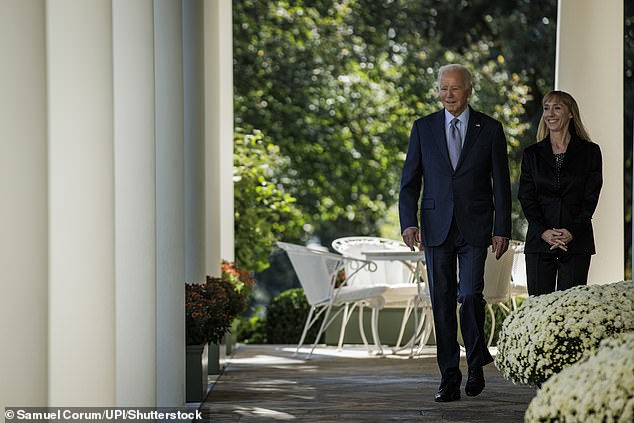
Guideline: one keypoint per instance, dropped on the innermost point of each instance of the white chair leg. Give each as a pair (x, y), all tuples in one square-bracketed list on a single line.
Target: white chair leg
[(492, 313), (347, 312), (375, 330), (362, 328), (422, 325), (460, 340), (428, 329), (406, 313), (325, 323), (305, 331), (432, 330)]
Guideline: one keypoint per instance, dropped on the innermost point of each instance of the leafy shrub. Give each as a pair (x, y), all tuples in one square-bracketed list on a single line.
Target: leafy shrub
[(598, 388), (211, 307), (550, 332), (264, 211), (242, 284), (286, 316), (251, 330), (209, 310)]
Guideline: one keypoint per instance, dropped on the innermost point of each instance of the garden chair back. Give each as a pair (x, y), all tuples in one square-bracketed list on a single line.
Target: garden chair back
[(317, 272), (518, 274), (387, 273)]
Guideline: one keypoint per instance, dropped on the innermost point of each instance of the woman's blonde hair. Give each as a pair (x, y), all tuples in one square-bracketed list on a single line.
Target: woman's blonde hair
[(575, 126)]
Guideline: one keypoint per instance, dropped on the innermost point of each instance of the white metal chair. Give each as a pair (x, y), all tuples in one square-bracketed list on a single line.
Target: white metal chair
[(401, 292), (518, 273), (317, 273), (497, 284)]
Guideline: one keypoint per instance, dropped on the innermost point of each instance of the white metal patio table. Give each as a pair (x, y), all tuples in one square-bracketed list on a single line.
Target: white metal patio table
[(414, 261)]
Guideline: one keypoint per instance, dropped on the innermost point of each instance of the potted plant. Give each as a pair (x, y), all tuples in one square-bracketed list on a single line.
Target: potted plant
[(210, 309), (207, 318), (241, 283)]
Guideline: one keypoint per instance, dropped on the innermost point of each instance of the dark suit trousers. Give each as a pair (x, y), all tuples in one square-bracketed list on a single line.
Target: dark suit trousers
[(546, 272), (446, 292)]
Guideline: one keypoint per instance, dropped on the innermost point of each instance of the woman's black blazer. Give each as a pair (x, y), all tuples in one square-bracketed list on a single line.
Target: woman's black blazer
[(572, 205)]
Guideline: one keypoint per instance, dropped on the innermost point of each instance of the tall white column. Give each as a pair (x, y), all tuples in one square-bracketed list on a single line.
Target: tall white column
[(135, 205), (589, 66), (81, 203), (170, 205), (23, 213), (194, 96), (219, 133)]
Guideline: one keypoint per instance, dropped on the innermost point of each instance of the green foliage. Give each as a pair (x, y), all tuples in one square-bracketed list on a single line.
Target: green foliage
[(264, 212), (337, 86), (209, 310), (240, 279), (251, 330), (279, 277), (286, 316)]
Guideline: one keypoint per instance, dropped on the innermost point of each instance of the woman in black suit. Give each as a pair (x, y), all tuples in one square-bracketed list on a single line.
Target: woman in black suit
[(559, 191)]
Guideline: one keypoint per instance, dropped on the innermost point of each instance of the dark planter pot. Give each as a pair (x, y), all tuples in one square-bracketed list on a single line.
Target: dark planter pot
[(213, 367), (230, 342), (196, 372)]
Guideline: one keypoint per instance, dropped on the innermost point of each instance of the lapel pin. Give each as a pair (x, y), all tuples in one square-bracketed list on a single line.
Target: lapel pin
[(477, 125)]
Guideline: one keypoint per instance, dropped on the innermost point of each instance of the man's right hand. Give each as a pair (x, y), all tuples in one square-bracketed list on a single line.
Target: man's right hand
[(411, 237)]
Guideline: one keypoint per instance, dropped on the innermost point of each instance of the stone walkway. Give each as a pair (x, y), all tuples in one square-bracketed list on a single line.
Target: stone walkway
[(262, 383)]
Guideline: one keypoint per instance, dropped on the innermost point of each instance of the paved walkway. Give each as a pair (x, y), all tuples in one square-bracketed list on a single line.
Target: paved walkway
[(267, 383)]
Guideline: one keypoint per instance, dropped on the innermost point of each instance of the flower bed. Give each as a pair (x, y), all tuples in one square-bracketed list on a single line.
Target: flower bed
[(598, 388), (550, 332)]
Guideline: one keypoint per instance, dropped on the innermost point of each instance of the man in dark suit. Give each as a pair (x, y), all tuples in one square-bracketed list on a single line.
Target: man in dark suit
[(458, 157)]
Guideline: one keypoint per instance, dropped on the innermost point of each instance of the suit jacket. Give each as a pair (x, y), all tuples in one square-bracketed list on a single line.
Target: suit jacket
[(478, 192), (572, 205)]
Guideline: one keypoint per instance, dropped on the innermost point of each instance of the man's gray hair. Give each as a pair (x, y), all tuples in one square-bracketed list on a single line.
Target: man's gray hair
[(456, 67)]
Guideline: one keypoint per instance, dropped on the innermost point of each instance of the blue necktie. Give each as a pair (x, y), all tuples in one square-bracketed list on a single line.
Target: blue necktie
[(454, 142)]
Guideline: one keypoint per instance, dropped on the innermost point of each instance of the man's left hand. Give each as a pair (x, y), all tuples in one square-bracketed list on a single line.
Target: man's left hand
[(499, 245)]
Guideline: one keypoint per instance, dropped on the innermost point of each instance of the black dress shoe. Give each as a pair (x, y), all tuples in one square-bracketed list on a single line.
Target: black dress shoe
[(447, 394), (475, 382)]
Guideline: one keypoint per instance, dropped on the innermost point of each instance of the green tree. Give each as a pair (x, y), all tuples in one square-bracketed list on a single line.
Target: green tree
[(337, 84), (264, 212), (503, 31)]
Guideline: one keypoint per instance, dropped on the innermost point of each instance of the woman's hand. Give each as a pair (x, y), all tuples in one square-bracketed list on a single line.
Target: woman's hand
[(557, 238)]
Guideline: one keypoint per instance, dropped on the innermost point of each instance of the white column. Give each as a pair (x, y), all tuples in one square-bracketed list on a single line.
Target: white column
[(170, 205), (81, 203), (219, 133), (23, 213), (193, 84), (589, 66), (135, 185)]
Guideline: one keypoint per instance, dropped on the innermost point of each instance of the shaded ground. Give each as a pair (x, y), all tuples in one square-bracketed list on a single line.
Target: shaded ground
[(266, 383)]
